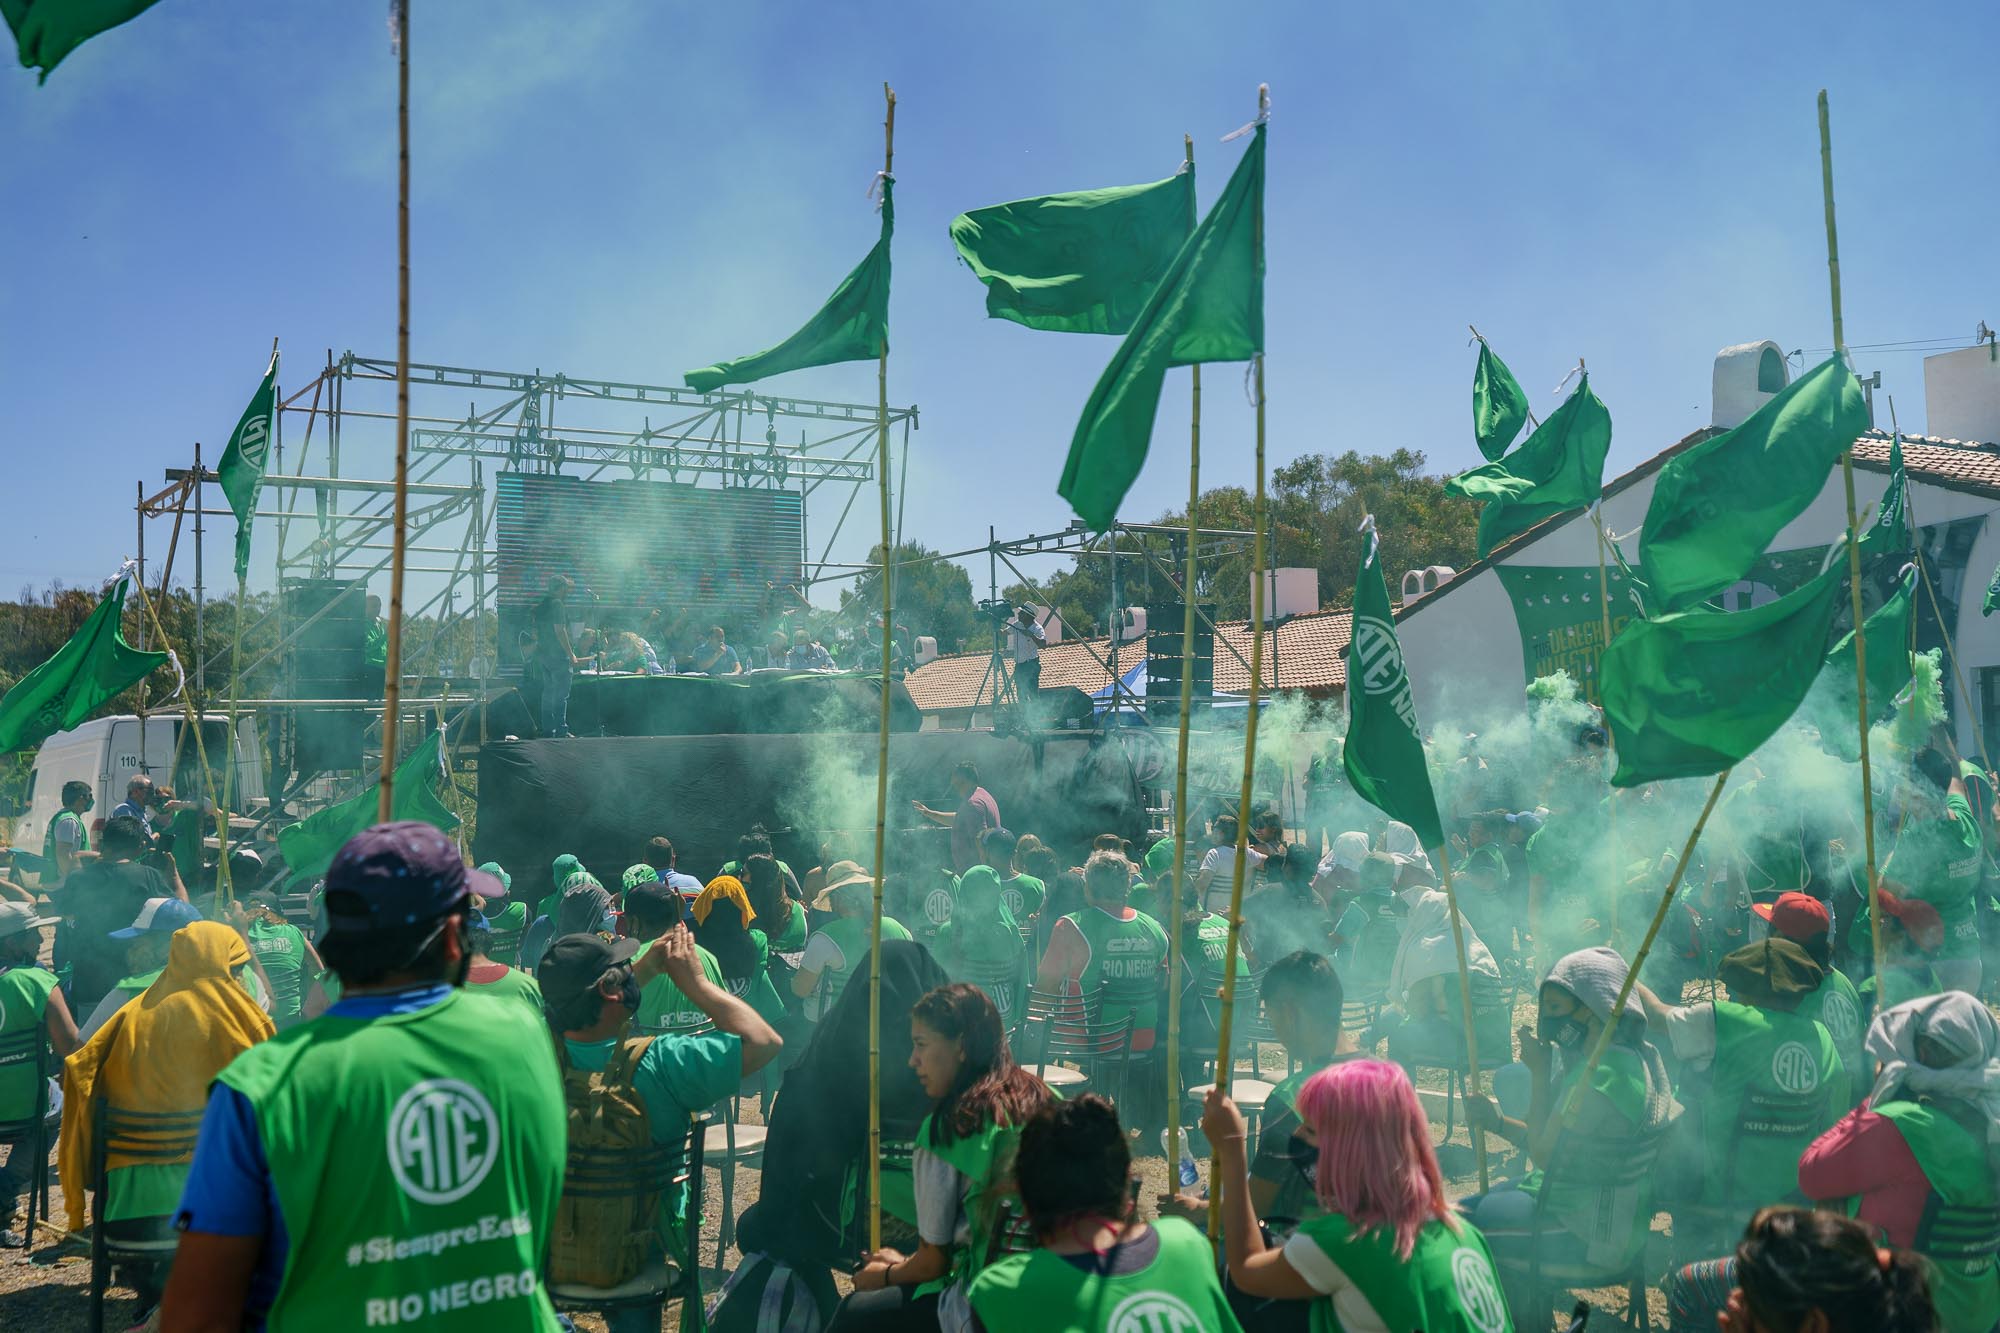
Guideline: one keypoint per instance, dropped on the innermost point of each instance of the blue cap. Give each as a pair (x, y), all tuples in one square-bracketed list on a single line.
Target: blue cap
[(158, 916), (398, 875)]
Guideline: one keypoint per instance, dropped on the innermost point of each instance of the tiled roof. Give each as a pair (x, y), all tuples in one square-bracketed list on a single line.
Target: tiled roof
[(1307, 653)]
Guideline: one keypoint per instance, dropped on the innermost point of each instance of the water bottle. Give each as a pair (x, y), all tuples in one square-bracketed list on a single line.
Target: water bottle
[(1185, 1172)]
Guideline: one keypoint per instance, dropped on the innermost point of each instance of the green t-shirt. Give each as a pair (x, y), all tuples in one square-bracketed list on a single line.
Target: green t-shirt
[(509, 983), (1939, 859), (677, 1077), (508, 925), (281, 948), (661, 1003), (24, 1006), (1041, 1290), (1447, 1285), (1023, 894)]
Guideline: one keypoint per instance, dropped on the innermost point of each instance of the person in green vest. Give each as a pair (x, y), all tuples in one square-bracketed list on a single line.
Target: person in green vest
[(1109, 945), (29, 1000), (839, 944), (1752, 1050), (67, 841), (962, 1166), (496, 979), (508, 921), (1804, 1271), (1303, 1001), (1586, 1221), (290, 962), (1386, 1253), (722, 917), (375, 646), (1804, 919), (784, 915), (1940, 857), (1483, 883), (591, 987), (542, 923), (1097, 1263), (981, 943), (1912, 933), (334, 1156), (1023, 892)]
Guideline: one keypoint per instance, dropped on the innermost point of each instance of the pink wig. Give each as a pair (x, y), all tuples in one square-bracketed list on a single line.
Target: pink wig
[(1376, 1166)]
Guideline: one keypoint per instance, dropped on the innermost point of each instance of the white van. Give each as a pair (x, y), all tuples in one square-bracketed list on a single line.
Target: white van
[(108, 752)]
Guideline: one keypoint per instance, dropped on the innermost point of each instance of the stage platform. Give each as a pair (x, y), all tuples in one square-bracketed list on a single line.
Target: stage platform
[(754, 703)]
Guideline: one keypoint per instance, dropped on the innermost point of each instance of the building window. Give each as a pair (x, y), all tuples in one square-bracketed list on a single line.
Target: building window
[(1770, 371)]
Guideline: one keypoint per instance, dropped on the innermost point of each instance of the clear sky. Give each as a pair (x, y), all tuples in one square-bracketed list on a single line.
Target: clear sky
[(626, 190)]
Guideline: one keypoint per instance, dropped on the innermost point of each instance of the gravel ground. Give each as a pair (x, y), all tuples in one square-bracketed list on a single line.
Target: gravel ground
[(46, 1289)]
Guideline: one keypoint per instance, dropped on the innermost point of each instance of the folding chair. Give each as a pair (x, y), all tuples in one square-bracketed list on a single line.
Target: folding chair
[(29, 1136), (141, 1138), (608, 1173)]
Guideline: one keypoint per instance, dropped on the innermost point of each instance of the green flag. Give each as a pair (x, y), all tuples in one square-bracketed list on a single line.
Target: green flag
[(309, 845), (87, 671), (1077, 263), (1209, 306), (242, 466), (1690, 693), (1717, 506), (1889, 534), (1888, 649), (1384, 751), (1499, 408), (853, 325), (1986, 608), (1559, 467), (47, 30)]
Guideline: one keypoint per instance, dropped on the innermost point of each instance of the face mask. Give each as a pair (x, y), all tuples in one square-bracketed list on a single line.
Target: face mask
[(1565, 1032)]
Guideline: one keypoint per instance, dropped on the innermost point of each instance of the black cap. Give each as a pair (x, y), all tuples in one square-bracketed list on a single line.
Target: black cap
[(656, 891), (394, 876), (262, 898), (575, 962)]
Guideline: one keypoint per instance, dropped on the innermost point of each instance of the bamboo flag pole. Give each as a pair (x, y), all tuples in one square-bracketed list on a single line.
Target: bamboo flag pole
[(1853, 558), (881, 747), (1181, 763), (1603, 1043), (190, 721), (392, 672), (1222, 1036), (1465, 1002)]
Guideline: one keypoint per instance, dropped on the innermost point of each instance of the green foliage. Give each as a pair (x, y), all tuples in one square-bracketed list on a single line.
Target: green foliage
[(932, 597)]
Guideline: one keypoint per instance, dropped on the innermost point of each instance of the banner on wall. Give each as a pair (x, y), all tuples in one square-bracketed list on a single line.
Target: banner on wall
[(1562, 626)]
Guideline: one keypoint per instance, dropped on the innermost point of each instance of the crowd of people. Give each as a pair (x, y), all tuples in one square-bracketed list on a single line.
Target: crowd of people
[(468, 1095)]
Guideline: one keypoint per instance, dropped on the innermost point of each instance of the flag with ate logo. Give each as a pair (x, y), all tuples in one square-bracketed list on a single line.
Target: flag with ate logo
[(242, 466), (1384, 753)]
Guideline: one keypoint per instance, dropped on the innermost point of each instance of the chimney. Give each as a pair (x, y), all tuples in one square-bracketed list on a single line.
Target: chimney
[(1747, 376), (1962, 394)]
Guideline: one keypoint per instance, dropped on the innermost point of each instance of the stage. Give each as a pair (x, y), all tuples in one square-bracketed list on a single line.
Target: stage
[(755, 703)]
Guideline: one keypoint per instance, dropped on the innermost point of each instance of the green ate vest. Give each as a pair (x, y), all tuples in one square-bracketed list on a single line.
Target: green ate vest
[(1967, 1292), (429, 1199), (1176, 1293), (986, 1160), (282, 951), (49, 839), (792, 936), (851, 934), (1125, 955), (1024, 895), (510, 921), (1838, 1005), (1447, 1285), (24, 1005), (1765, 1057)]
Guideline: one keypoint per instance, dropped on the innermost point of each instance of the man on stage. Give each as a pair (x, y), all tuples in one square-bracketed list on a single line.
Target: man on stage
[(555, 655)]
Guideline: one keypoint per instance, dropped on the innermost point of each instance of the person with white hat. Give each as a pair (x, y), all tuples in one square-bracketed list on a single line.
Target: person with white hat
[(841, 943), (29, 999)]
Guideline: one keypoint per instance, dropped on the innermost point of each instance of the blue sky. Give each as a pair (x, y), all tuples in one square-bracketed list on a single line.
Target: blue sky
[(626, 190)]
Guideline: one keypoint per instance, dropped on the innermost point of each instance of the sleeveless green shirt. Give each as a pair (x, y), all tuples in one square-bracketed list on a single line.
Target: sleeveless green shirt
[(428, 1200), (24, 1005), (1125, 956), (1967, 1292), (1178, 1292), (1447, 1285), (1767, 1056)]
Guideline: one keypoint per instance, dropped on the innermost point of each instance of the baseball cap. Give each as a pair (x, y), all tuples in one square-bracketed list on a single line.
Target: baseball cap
[(840, 875), (158, 915), (1527, 820), (575, 962), (392, 876), (263, 898), (638, 874), (17, 917), (1796, 916), (1919, 918), (499, 872), (655, 891)]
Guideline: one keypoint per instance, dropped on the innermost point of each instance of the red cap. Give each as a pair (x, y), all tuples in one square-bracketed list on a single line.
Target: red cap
[(1919, 918), (1796, 916)]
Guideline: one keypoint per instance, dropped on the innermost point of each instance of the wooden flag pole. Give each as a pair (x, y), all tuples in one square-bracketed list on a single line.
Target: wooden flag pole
[(1465, 1001), (190, 720), (1603, 1043), (392, 671), (1853, 560), (1222, 1035), (881, 743), (1174, 959)]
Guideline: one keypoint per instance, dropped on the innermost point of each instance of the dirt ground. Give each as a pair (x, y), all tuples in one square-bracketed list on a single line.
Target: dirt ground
[(45, 1289)]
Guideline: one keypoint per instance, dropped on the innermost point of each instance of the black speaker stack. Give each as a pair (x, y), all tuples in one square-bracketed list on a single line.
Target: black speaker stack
[(1164, 624), (330, 661)]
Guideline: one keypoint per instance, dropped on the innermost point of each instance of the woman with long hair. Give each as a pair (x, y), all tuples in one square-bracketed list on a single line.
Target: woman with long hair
[(963, 1161), (1388, 1254), (784, 918), (1074, 1172), (722, 917), (1803, 1271)]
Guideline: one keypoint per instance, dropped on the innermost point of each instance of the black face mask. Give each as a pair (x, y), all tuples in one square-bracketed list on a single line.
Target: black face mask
[(1566, 1032)]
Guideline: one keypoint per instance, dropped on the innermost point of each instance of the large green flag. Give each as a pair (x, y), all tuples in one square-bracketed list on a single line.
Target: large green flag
[(1717, 506), (853, 325), (309, 845), (89, 670), (1889, 534), (47, 30), (1558, 468), (1209, 306), (1888, 649), (1499, 408), (1690, 693), (1084, 262), (242, 466), (1991, 602), (1384, 751)]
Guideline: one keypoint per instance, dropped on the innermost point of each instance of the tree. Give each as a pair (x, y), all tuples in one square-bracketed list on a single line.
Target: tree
[(933, 597)]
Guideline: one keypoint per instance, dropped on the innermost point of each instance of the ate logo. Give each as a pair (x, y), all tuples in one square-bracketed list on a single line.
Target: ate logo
[(1793, 1068), (443, 1139), (1380, 658), (937, 906), (1478, 1292), (254, 436), (1152, 1312), (1839, 1016)]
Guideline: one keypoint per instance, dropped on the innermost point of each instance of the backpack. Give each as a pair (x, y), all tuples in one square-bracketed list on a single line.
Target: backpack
[(604, 1239), (764, 1295)]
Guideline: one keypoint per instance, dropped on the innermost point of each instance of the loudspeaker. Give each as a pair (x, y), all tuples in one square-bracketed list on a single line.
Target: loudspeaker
[(1164, 624), (329, 661)]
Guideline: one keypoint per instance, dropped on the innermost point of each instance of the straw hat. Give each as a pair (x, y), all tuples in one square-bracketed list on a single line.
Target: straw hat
[(840, 875)]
